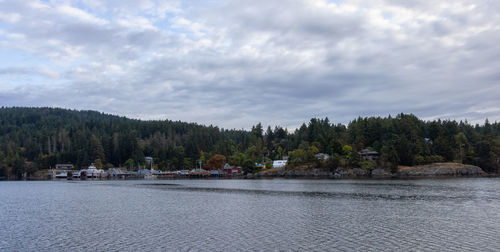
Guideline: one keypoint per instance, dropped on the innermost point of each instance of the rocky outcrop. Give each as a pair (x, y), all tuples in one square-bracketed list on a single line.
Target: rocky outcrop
[(440, 169), (302, 172), (431, 170)]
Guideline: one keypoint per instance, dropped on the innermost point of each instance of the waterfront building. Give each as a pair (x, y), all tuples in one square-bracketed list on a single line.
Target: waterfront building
[(230, 170), (148, 171), (215, 173), (116, 172)]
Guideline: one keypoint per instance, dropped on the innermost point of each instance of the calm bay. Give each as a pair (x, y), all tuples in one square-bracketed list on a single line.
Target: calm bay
[(256, 215)]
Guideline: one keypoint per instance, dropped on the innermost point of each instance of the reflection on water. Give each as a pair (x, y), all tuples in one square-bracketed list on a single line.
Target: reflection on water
[(182, 215)]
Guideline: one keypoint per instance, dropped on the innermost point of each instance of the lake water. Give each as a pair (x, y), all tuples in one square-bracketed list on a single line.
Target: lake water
[(255, 215)]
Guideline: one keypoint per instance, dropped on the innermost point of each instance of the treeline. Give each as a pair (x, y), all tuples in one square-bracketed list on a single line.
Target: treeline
[(32, 139)]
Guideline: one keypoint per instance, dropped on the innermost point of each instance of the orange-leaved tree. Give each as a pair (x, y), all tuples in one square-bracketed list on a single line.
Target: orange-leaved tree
[(216, 162)]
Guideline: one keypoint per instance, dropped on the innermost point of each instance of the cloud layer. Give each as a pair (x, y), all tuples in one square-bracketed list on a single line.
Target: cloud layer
[(235, 63)]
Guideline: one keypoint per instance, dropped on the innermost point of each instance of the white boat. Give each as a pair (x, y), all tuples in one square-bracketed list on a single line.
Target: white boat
[(62, 175), (92, 172), (150, 176)]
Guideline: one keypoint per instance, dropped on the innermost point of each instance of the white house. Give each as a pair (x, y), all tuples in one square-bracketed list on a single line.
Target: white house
[(279, 163)]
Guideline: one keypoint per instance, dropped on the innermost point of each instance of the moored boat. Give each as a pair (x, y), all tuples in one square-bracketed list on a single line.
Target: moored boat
[(92, 172), (62, 175)]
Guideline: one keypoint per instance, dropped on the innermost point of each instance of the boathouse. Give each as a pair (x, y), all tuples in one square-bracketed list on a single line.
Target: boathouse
[(230, 170)]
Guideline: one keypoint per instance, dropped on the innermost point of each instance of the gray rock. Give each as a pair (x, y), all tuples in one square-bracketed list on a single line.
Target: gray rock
[(381, 173)]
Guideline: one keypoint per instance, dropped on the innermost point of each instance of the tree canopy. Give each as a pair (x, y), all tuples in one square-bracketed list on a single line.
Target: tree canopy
[(39, 138)]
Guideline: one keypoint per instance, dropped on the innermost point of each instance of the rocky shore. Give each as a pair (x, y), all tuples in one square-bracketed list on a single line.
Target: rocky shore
[(431, 170), (441, 169)]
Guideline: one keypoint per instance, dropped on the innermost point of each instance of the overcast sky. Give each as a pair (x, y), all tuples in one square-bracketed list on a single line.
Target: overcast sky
[(236, 63)]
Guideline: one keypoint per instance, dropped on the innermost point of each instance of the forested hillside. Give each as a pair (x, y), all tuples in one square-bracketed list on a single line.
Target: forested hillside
[(38, 138)]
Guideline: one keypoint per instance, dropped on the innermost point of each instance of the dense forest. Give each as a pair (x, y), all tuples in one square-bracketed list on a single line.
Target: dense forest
[(34, 139)]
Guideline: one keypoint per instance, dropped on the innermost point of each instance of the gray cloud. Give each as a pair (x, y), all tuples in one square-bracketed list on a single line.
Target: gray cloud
[(236, 63), (16, 71)]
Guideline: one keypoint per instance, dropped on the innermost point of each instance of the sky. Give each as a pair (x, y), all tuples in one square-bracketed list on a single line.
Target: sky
[(236, 63)]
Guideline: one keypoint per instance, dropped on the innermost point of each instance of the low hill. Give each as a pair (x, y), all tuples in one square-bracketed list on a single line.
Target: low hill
[(34, 139)]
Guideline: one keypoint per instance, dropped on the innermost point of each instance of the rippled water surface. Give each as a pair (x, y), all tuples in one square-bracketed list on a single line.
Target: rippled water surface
[(229, 215)]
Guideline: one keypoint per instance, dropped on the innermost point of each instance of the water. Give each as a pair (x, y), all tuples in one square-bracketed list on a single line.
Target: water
[(256, 215)]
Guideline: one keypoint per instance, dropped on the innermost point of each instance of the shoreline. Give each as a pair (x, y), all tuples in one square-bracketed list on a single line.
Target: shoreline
[(287, 177), (436, 170)]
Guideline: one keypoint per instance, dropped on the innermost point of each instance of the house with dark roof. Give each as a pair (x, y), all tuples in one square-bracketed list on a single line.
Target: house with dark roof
[(368, 154)]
